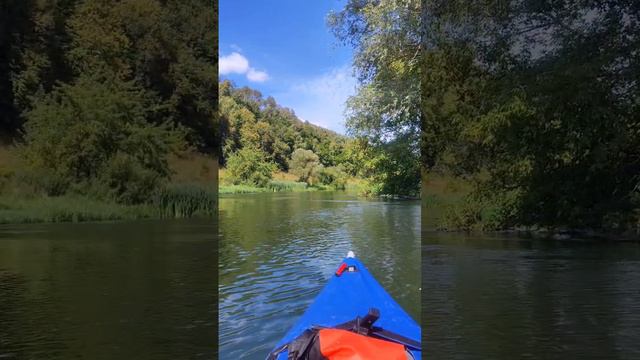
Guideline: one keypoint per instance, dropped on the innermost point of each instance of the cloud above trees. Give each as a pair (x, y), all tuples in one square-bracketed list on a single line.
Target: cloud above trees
[(236, 63)]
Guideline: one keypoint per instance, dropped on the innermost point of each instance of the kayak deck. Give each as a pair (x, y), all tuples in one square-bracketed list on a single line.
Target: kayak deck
[(349, 295)]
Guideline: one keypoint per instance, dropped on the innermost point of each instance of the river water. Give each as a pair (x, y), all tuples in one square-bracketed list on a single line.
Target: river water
[(499, 297), (143, 290), (146, 290), (277, 251)]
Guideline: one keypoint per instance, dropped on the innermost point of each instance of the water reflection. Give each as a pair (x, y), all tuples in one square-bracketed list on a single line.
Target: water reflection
[(105, 291), (507, 298)]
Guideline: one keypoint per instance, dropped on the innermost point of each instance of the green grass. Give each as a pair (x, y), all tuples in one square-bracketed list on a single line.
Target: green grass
[(192, 194), (176, 201), (443, 199), (186, 200), (440, 191), (15, 209), (240, 189), (281, 185), (273, 186)]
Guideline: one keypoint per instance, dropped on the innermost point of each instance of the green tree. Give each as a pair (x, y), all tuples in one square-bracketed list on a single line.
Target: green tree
[(333, 176), (33, 38), (250, 166), (169, 48), (305, 164), (94, 135), (248, 120), (537, 105), (386, 109)]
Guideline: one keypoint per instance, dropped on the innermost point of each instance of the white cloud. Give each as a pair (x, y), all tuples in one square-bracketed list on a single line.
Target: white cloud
[(321, 99), (233, 64), (257, 76), (236, 63)]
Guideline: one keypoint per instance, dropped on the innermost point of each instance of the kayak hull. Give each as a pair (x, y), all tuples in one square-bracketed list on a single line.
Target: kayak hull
[(349, 295)]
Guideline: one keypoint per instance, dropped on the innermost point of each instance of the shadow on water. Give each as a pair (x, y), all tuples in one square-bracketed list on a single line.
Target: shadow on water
[(139, 290), (500, 297), (277, 251)]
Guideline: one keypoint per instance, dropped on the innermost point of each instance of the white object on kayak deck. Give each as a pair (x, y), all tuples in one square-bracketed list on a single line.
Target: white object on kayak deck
[(350, 254)]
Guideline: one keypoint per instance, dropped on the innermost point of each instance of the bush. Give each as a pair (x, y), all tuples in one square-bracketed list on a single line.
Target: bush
[(305, 164), (127, 182), (497, 211), (332, 176), (287, 186), (250, 166), (94, 133), (465, 215)]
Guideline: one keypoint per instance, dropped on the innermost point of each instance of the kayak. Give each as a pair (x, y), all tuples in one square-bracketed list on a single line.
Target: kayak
[(353, 296)]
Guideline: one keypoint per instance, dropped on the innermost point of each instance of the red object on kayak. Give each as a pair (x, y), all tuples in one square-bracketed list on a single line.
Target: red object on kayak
[(341, 269), (338, 344)]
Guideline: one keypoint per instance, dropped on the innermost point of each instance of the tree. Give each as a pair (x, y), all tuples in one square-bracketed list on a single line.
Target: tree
[(248, 120), (250, 166), (93, 135), (169, 48), (33, 38), (537, 105), (333, 176), (304, 164), (386, 108)]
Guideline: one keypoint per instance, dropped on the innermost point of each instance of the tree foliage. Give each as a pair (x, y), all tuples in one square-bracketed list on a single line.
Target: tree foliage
[(332, 176), (386, 110), (537, 104), (98, 93), (92, 134), (169, 48), (305, 165), (250, 166), (249, 120)]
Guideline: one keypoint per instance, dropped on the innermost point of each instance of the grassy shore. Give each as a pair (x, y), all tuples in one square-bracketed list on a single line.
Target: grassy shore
[(441, 191), (441, 196), (281, 182), (192, 192), (68, 209)]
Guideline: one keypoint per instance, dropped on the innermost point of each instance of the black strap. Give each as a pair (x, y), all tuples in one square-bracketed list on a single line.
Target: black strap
[(274, 354), (364, 326), (297, 348), (388, 335)]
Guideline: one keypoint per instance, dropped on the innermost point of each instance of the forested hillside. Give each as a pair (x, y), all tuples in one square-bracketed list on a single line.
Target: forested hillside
[(95, 96), (260, 137), (249, 120)]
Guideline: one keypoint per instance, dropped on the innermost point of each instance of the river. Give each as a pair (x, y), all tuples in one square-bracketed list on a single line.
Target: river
[(501, 297), (277, 250), (139, 290), (146, 290)]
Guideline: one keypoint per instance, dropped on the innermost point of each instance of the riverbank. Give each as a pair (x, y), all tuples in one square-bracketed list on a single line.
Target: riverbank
[(445, 209), (282, 182), (191, 192), (175, 201)]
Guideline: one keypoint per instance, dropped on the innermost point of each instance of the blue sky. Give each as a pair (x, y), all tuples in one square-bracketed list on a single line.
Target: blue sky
[(284, 49)]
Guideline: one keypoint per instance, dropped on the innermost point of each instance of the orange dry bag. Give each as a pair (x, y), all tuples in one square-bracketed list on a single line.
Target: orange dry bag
[(336, 344), (357, 339)]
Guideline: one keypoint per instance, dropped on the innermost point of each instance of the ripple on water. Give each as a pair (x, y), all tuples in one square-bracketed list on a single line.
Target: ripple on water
[(276, 265)]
